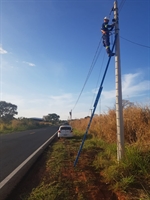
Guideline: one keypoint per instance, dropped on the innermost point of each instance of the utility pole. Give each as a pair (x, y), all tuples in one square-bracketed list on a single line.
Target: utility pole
[(91, 111), (119, 111), (70, 113)]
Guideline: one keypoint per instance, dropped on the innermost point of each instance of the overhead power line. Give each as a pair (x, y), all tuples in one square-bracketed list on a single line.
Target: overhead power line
[(121, 5), (96, 57), (92, 65), (135, 43), (97, 53)]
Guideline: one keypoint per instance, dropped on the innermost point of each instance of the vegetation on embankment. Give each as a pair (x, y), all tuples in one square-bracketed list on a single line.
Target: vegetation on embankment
[(136, 125), (8, 122), (97, 175), (20, 125), (57, 178), (132, 174)]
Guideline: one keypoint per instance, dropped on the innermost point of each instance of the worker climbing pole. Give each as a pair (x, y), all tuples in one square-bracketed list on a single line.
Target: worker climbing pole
[(95, 105), (119, 115), (106, 29)]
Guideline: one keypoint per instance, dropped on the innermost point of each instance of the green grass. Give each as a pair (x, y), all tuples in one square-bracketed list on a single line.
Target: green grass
[(133, 172), (52, 185), (61, 181)]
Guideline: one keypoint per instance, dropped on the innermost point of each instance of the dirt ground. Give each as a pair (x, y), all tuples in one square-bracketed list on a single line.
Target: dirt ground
[(93, 186)]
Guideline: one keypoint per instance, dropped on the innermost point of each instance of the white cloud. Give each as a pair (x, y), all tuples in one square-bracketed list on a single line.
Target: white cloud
[(108, 94), (14, 99), (60, 101), (40, 105), (2, 51), (61, 98), (133, 85), (128, 80), (30, 64)]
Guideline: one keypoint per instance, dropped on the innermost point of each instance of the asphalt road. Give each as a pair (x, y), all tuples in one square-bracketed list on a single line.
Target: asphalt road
[(16, 147)]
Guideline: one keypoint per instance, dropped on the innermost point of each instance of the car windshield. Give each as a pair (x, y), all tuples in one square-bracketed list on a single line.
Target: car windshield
[(65, 128)]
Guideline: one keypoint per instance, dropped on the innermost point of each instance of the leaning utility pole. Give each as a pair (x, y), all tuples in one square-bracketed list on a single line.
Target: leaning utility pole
[(119, 112)]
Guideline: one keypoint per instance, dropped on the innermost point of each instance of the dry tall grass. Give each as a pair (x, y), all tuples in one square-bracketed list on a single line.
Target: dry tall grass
[(20, 125), (136, 125)]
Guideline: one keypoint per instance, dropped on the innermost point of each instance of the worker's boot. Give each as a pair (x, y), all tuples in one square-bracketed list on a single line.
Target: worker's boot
[(109, 52)]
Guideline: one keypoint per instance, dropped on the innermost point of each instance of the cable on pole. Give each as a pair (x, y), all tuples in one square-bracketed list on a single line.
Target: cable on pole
[(110, 12)]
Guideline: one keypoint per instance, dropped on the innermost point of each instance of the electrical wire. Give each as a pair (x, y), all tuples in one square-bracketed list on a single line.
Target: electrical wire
[(135, 42), (91, 68), (110, 12), (98, 80), (121, 5), (97, 53)]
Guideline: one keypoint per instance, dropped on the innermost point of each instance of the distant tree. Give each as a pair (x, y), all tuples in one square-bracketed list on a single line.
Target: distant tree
[(125, 104), (53, 118), (87, 117), (7, 111)]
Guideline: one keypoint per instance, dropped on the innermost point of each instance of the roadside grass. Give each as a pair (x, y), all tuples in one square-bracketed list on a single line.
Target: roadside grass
[(97, 172), (136, 125), (20, 125), (62, 181), (97, 175), (131, 175)]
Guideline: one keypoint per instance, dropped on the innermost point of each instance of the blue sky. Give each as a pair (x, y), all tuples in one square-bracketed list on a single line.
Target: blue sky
[(47, 48)]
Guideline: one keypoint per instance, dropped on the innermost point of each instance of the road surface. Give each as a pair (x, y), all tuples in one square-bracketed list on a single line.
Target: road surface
[(16, 147)]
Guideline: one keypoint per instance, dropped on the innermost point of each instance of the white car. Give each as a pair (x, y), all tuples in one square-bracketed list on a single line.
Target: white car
[(65, 131)]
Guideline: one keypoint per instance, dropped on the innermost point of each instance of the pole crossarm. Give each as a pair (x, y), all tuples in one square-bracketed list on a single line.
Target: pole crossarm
[(95, 104)]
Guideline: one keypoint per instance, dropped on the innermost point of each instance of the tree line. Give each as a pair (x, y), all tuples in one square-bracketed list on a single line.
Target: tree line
[(8, 111)]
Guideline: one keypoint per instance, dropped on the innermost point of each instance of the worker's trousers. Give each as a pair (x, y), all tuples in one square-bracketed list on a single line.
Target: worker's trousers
[(106, 43)]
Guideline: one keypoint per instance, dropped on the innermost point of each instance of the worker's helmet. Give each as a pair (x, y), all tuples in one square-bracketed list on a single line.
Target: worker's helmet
[(106, 18)]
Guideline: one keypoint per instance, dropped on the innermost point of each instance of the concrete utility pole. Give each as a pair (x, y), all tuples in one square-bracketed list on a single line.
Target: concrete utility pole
[(119, 112)]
